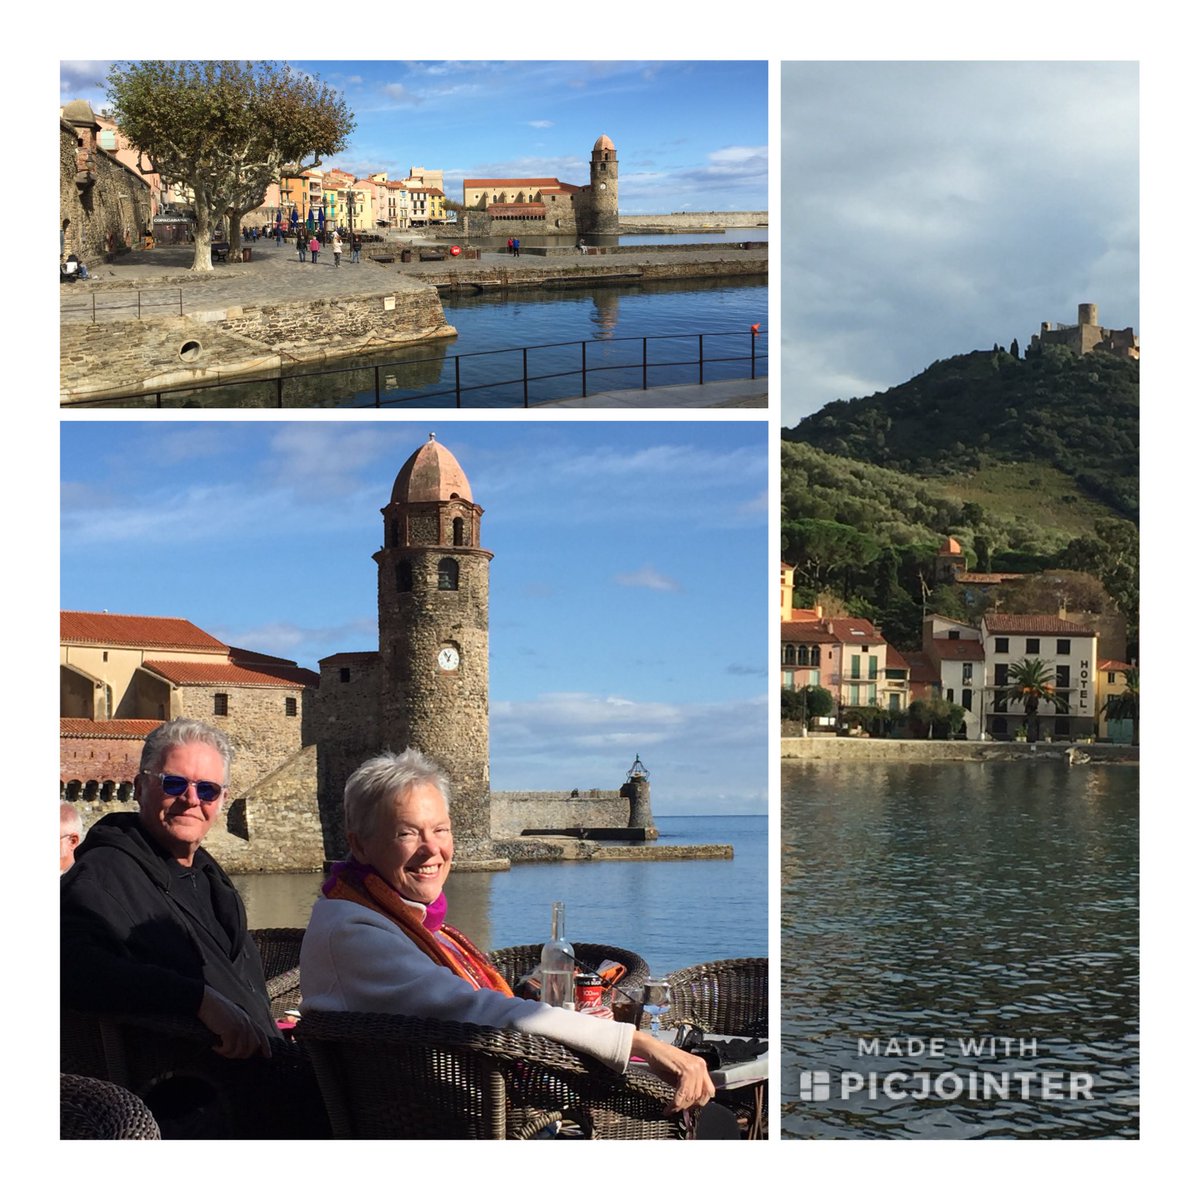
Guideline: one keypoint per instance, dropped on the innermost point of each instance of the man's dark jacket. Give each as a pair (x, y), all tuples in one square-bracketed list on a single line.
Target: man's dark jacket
[(129, 945)]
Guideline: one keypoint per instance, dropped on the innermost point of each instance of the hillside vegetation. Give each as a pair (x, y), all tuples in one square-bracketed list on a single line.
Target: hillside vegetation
[(1032, 464)]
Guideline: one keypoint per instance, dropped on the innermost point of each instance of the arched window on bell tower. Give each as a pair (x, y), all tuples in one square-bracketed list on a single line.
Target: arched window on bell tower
[(404, 576), (460, 532), (447, 575)]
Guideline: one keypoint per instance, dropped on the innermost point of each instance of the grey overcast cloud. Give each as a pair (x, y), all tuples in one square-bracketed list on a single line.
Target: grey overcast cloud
[(932, 208)]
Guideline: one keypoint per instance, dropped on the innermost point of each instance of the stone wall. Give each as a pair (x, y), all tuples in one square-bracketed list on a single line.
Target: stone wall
[(113, 211), (514, 812), (114, 357), (99, 759), (693, 220), (838, 749)]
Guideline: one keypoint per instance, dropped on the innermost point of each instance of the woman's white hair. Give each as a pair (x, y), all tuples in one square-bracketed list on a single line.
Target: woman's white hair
[(374, 787)]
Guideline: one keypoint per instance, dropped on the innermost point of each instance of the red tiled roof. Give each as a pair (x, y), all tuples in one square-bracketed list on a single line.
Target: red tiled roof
[(511, 183), (1113, 664), (1034, 623), (202, 673), (921, 669), (950, 546), (895, 661), (954, 650), (855, 631), (114, 629), (989, 577), (805, 631), (82, 727)]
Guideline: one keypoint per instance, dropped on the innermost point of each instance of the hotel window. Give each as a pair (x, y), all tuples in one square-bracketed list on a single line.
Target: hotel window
[(1001, 645), (1002, 675), (1062, 726), (1033, 645), (220, 704), (1064, 645), (1062, 677)]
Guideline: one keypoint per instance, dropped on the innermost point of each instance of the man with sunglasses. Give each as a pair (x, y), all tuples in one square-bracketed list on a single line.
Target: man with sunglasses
[(150, 922)]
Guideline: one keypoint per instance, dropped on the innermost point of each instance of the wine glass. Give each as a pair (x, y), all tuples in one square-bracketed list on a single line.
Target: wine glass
[(656, 1000)]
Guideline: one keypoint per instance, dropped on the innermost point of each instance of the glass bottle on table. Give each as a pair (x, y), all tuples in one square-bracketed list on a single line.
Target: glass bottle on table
[(558, 961)]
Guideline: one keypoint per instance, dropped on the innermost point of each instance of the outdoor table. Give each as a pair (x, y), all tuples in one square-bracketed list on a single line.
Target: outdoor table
[(747, 1079)]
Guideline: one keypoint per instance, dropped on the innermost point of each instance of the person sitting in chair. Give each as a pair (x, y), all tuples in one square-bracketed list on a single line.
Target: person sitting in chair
[(377, 940)]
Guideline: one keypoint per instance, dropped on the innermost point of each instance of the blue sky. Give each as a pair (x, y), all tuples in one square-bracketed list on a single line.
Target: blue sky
[(629, 588), (689, 135), (932, 208)]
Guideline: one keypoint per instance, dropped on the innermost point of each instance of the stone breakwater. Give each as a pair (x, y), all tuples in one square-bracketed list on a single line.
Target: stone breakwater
[(827, 749), (686, 222), (266, 318)]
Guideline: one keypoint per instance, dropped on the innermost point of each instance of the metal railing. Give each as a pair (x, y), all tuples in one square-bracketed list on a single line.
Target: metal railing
[(383, 389), (152, 305)]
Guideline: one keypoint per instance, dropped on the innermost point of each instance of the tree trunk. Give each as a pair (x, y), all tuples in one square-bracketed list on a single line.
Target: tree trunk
[(203, 258), (1031, 721), (235, 233)]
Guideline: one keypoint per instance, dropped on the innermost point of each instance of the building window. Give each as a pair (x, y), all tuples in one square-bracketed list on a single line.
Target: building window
[(856, 667), (967, 696), (952, 635), (1064, 645), (393, 533), (873, 667), (854, 694), (1001, 645), (1002, 674), (289, 706), (344, 674), (220, 704), (459, 532), (1062, 726), (950, 695), (1112, 677), (1033, 645), (448, 575), (789, 655), (404, 576), (968, 671), (1062, 678), (104, 658)]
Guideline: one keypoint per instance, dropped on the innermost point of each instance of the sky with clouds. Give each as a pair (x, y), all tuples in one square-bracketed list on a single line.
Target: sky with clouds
[(932, 208), (629, 599), (689, 135)]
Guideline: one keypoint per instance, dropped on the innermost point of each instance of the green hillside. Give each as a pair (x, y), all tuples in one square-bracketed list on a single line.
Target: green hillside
[(1032, 464)]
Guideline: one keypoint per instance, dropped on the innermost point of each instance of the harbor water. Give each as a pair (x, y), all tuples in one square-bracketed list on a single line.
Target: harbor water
[(673, 914), (963, 902)]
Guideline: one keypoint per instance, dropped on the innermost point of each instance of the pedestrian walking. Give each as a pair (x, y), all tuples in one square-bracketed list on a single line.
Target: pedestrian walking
[(336, 247), (582, 247), (313, 247), (278, 235), (516, 247), (301, 244), (356, 249)]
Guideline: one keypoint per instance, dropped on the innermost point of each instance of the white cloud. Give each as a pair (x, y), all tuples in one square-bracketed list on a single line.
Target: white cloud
[(648, 577)]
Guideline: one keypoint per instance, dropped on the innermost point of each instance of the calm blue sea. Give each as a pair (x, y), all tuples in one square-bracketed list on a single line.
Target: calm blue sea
[(673, 914)]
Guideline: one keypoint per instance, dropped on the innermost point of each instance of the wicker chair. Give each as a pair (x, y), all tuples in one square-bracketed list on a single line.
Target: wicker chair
[(169, 1063), (727, 996), (94, 1109), (386, 1076), (515, 961), (279, 950)]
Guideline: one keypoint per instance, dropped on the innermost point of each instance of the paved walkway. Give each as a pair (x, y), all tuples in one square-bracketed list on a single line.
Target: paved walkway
[(734, 393)]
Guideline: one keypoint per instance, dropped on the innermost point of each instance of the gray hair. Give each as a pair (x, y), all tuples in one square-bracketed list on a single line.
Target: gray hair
[(380, 780), (181, 732), (69, 819)]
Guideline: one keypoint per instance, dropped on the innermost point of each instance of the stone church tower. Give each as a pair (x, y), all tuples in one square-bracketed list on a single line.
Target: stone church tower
[(604, 186), (433, 633)]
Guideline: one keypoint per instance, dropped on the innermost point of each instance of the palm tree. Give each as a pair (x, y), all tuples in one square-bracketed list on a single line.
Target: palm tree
[(1123, 706), (1031, 683)]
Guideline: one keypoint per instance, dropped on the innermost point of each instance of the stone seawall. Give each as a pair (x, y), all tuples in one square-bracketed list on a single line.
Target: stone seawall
[(599, 270), (827, 749), (514, 812), (668, 222), (257, 341)]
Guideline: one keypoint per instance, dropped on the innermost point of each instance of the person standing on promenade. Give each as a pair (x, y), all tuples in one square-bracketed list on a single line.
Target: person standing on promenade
[(314, 247), (336, 247), (302, 243), (356, 249), (516, 247), (510, 247)]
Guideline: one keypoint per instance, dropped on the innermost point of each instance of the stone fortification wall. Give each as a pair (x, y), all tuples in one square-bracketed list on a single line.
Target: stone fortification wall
[(110, 214), (100, 759), (513, 812), (836, 749), (282, 821), (572, 252), (114, 357), (693, 220)]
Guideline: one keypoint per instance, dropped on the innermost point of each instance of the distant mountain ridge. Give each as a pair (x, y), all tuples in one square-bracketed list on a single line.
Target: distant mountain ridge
[(1077, 413)]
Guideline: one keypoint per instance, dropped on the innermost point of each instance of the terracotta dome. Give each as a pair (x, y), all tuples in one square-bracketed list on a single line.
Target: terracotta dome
[(950, 546), (604, 142), (431, 474)]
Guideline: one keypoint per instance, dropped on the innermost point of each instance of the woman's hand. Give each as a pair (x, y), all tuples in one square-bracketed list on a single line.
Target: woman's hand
[(686, 1072)]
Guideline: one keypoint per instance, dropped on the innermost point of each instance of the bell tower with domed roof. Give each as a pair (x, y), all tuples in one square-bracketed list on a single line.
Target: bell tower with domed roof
[(433, 633), (604, 186)]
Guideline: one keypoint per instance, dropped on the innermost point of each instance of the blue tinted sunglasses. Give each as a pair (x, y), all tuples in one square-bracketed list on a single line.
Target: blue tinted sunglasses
[(176, 785)]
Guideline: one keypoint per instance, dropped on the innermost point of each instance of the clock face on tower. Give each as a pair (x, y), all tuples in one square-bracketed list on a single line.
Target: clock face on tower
[(447, 658)]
